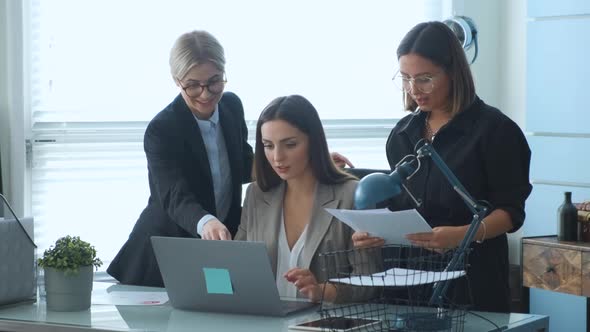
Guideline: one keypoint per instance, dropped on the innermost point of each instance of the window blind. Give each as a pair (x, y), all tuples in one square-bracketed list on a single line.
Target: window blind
[(99, 73)]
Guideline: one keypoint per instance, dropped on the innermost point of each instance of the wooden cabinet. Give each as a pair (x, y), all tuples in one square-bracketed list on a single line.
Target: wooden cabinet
[(556, 265)]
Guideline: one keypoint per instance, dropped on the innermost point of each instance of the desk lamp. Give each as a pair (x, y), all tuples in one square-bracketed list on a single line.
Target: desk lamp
[(377, 187), (466, 31)]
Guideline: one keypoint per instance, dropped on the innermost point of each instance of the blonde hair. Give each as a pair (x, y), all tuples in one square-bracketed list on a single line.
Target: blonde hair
[(192, 49)]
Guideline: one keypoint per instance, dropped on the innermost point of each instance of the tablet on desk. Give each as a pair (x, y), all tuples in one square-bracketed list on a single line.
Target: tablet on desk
[(337, 324)]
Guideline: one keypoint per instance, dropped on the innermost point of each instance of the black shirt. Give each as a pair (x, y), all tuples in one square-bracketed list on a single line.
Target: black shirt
[(490, 156)]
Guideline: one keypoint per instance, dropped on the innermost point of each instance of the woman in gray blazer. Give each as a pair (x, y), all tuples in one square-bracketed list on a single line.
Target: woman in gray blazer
[(296, 180)]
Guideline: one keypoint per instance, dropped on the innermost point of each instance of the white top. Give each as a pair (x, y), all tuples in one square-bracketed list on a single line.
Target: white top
[(288, 259)]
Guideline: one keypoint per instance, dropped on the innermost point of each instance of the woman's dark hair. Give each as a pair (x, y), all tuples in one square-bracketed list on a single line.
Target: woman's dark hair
[(437, 43), (300, 113)]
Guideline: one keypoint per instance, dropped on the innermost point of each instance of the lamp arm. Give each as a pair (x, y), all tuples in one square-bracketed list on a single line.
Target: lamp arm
[(440, 288), (479, 212)]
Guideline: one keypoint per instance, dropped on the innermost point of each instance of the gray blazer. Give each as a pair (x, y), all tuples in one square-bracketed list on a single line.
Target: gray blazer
[(261, 215)]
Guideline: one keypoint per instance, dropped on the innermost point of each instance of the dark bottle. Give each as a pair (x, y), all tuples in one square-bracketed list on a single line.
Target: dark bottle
[(567, 215)]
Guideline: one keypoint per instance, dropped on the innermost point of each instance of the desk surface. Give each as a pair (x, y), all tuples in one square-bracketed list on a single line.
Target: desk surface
[(34, 317)]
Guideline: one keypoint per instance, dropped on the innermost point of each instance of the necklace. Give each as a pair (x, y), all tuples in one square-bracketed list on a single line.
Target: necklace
[(429, 132)]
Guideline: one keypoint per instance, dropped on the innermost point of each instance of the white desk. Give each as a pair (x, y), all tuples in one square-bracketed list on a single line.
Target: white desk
[(34, 317)]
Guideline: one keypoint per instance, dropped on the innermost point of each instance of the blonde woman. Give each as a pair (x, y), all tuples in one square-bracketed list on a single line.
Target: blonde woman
[(198, 158)]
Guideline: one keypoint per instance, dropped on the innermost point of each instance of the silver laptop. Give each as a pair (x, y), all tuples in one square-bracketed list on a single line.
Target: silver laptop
[(221, 276)]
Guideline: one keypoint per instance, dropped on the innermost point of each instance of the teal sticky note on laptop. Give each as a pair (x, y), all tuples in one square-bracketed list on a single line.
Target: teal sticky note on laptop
[(218, 281)]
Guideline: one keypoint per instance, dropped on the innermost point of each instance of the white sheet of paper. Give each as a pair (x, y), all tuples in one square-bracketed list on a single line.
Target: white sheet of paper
[(400, 277), (129, 298), (391, 226)]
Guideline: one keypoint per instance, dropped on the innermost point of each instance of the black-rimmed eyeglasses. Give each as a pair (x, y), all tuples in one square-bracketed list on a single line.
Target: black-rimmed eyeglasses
[(195, 89)]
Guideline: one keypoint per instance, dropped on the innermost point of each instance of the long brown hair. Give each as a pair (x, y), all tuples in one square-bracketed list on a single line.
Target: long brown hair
[(300, 113), (437, 43)]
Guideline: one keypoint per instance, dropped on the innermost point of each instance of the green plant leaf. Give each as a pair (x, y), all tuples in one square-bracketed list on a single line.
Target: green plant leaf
[(68, 254)]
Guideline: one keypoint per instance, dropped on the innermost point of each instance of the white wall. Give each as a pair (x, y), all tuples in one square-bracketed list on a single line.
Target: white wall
[(486, 15), (513, 54), (12, 121), (4, 100), (3, 90), (500, 67)]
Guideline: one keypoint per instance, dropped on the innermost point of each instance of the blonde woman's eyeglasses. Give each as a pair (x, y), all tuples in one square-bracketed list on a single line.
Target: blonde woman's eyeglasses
[(195, 89)]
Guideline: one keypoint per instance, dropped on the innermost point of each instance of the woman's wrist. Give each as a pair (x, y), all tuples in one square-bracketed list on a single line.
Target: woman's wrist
[(482, 229), (481, 233), (327, 292)]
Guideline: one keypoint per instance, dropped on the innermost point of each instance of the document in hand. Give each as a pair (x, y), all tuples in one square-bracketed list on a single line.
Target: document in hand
[(391, 226)]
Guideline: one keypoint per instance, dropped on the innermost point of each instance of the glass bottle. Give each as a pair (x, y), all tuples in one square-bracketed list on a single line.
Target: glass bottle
[(567, 215)]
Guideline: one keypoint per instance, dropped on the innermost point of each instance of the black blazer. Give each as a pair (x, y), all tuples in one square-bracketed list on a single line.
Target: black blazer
[(181, 186)]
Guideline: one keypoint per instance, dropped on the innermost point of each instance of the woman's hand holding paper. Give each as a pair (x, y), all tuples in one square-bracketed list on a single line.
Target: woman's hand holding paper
[(443, 237), (363, 240)]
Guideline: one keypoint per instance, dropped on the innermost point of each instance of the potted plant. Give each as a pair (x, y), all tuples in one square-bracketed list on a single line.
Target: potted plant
[(69, 271)]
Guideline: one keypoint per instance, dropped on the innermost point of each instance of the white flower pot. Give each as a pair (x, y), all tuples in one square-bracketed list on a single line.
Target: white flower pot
[(68, 292)]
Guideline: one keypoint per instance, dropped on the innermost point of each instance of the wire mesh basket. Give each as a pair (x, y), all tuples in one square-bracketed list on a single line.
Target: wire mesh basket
[(394, 287)]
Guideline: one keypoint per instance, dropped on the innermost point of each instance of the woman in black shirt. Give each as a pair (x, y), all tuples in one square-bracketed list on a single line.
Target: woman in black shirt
[(484, 148)]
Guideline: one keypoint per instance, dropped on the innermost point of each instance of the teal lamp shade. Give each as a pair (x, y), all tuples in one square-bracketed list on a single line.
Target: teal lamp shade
[(378, 187)]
